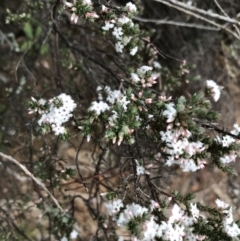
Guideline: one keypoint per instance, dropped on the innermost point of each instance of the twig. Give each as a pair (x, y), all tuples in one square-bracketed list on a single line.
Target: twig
[(224, 13), (211, 126), (176, 23), (203, 12), (25, 170), (78, 167), (199, 17)]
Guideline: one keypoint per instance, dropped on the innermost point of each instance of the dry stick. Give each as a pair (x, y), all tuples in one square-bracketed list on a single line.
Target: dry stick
[(175, 23), (78, 166), (201, 11), (223, 11), (199, 17), (25, 170)]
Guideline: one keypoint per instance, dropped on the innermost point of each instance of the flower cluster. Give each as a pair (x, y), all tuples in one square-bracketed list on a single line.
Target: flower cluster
[(178, 225), (145, 76), (112, 97), (113, 206), (228, 224), (213, 89), (135, 114), (124, 112), (55, 113), (227, 142), (139, 169), (115, 20), (121, 27), (73, 235), (83, 8), (115, 104), (180, 150), (170, 112)]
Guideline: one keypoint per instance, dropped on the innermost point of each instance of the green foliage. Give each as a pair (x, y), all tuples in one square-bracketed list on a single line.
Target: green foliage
[(61, 223)]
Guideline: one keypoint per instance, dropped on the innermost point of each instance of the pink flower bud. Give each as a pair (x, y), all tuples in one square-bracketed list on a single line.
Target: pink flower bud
[(91, 15), (148, 101)]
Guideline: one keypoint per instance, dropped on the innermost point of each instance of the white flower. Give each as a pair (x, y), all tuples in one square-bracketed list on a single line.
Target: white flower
[(124, 20), (135, 77), (221, 204), (112, 119), (227, 141), (170, 112), (132, 210), (123, 102), (170, 233), (113, 96), (114, 206), (235, 131), (87, 2), (189, 166), (73, 234), (228, 158), (99, 107), (64, 239), (119, 47), (104, 8), (42, 101), (107, 26), (150, 229), (214, 89), (194, 210), (99, 88), (117, 33), (177, 214), (153, 205), (157, 65), (67, 102), (107, 89), (58, 115), (134, 51), (143, 70), (58, 130), (229, 226), (139, 169), (131, 7), (74, 18)]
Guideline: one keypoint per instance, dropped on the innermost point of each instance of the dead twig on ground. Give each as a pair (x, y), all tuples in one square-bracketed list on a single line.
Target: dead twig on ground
[(25, 170)]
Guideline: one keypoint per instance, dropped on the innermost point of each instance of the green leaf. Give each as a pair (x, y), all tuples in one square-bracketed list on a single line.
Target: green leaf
[(25, 45), (44, 49), (38, 31), (65, 219), (27, 28)]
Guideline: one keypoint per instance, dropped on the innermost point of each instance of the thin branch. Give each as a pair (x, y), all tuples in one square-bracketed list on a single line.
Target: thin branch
[(176, 23), (25, 170), (211, 126), (199, 17), (84, 54), (78, 167), (203, 12), (221, 9), (224, 13)]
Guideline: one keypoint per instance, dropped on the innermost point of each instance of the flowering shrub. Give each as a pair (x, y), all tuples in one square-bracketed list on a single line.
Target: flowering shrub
[(150, 130)]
